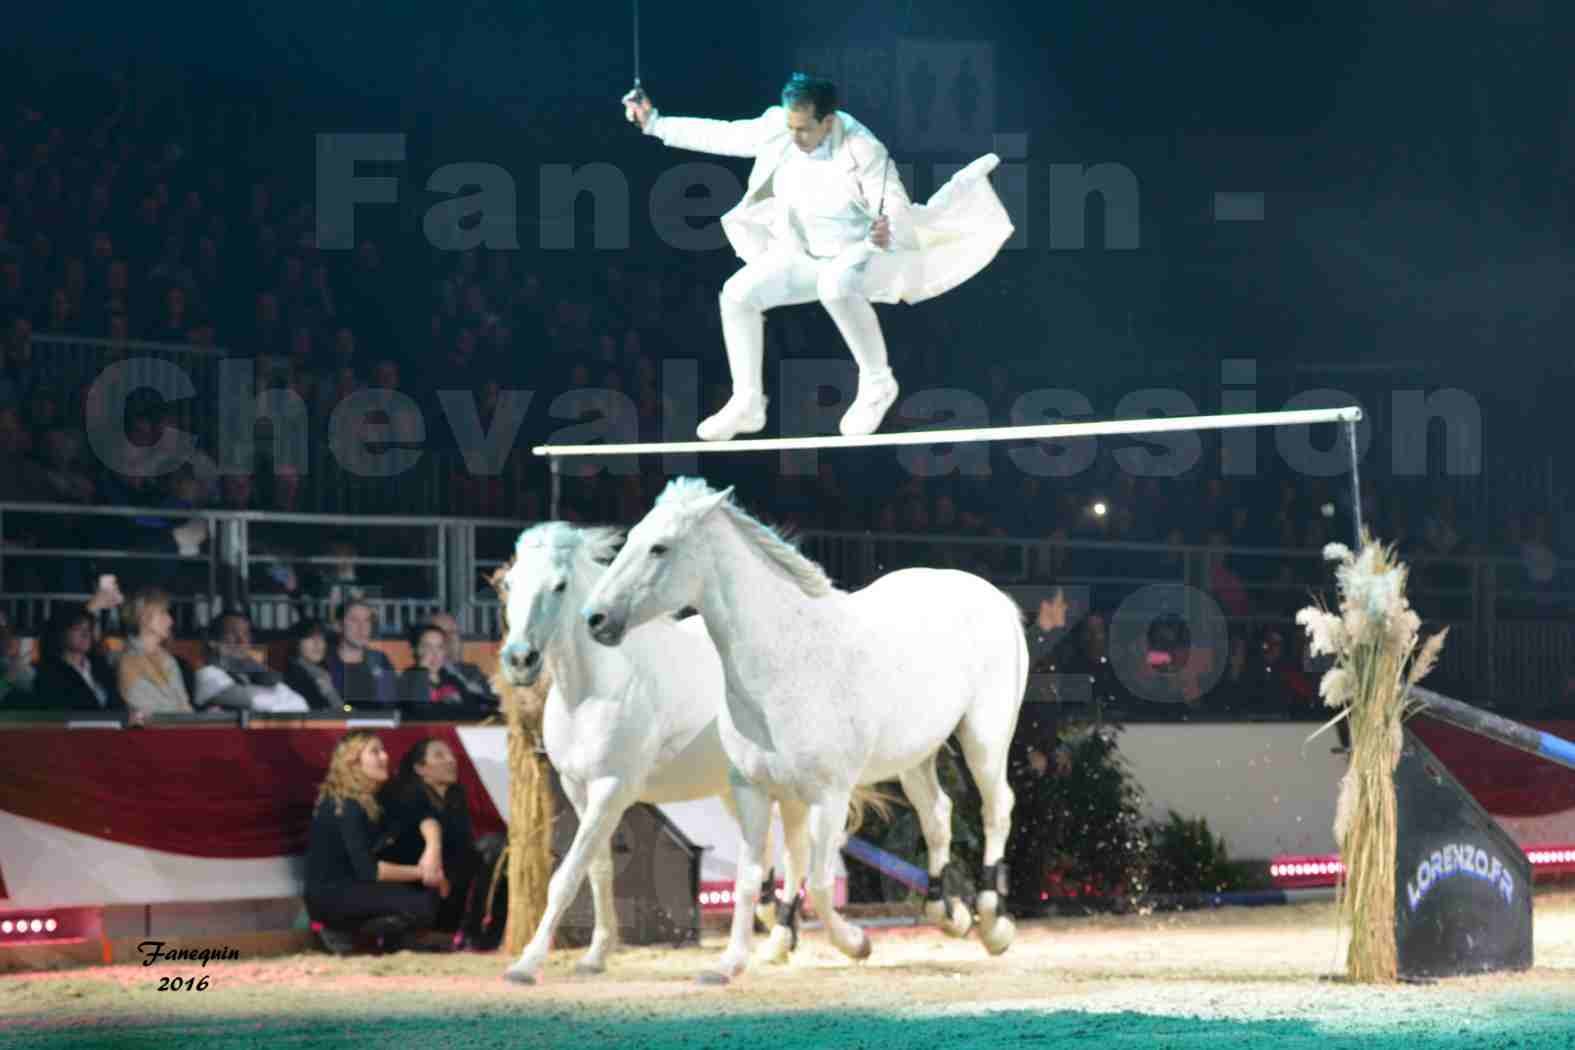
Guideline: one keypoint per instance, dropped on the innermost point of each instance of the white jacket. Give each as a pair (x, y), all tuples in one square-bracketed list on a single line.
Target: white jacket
[(935, 246)]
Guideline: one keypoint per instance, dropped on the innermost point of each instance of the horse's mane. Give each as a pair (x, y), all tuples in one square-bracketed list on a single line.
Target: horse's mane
[(590, 548), (685, 494)]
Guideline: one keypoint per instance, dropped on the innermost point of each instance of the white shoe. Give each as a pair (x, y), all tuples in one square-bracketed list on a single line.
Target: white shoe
[(741, 415), (875, 398)]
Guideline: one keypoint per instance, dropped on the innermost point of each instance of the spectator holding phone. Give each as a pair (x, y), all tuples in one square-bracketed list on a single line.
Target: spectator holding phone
[(73, 673)]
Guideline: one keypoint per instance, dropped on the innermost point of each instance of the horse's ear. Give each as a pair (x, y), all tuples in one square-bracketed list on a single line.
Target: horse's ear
[(715, 501)]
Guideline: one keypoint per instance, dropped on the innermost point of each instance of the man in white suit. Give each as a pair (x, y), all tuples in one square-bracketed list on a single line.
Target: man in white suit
[(825, 217)]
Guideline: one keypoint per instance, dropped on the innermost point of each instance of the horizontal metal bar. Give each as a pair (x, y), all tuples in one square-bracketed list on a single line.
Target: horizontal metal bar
[(263, 516), (1033, 432), (329, 560), (121, 555)]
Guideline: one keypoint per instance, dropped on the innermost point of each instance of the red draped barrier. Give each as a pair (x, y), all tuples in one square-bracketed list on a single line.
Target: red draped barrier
[(1507, 782), (222, 793)]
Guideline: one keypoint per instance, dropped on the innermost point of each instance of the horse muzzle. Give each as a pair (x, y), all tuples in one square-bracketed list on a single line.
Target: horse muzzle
[(604, 628), (521, 664)]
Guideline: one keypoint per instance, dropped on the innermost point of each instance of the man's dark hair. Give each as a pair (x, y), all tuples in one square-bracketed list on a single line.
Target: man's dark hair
[(351, 603), (216, 627), (805, 90)]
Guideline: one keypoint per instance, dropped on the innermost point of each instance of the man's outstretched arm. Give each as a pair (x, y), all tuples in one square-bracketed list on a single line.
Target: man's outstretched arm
[(729, 138)]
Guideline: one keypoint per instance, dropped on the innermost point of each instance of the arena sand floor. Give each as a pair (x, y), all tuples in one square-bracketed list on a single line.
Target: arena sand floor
[(1232, 977)]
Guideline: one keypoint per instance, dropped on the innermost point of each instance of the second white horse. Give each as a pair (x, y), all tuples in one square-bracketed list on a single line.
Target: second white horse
[(627, 726)]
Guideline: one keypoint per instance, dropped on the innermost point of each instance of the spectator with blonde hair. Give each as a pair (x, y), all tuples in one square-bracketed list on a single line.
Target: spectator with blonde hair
[(348, 890), (151, 680)]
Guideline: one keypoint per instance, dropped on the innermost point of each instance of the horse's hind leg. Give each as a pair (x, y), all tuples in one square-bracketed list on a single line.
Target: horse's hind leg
[(922, 785), (986, 754)]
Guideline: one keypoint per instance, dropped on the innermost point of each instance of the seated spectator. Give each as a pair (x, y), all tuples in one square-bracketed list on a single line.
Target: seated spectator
[(234, 678), (472, 678), (349, 890), (360, 673), (16, 667), (427, 821), (341, 585), (1284, 690), (60, 477), (428, 682), (306, 674), (150, 677), (73, 673)]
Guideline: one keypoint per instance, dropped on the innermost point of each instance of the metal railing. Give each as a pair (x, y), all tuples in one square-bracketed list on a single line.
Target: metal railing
[(1512, 639)]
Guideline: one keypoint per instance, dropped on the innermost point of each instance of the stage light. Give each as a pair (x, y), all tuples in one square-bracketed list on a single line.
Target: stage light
[(5, 927), (1099, 508), (50, 925)]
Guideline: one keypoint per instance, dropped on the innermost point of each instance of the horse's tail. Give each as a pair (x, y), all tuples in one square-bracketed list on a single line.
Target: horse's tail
[(866, 800)]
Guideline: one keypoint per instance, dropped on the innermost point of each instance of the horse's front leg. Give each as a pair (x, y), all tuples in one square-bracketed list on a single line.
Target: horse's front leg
[(605, 937), (784, 923), (754, 822), (827, 817), (604, 803)]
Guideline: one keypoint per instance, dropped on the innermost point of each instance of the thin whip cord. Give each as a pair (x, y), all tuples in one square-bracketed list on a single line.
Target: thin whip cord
[(636, 43)]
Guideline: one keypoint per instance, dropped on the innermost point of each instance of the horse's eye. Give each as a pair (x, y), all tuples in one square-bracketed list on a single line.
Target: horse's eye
[(562, 585), (657, 550)]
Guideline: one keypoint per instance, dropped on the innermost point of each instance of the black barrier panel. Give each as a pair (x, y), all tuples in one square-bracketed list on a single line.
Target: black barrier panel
[(1462, 885)]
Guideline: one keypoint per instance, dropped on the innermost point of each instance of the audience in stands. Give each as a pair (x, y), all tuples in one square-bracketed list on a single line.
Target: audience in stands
[(151, 678), (361, 674), (235, 678), (349, 891), (427, 823), (307, 675)]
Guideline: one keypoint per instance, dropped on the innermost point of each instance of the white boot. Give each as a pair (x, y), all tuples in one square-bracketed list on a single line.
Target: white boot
[(744, 332), (877, 393), (744, 415), (855, 319)]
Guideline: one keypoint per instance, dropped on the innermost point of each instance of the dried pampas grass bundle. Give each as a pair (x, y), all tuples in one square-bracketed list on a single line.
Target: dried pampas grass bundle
[(1374, 640)]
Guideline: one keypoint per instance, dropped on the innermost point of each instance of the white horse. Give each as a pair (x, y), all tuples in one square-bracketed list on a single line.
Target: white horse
[(635, 725), (828, 691)]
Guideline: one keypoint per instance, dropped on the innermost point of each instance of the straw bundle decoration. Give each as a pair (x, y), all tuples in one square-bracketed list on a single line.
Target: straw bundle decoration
[(1374, 639), (531, 815)]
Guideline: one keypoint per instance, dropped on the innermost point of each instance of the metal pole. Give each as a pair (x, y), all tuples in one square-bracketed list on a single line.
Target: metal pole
[(442, 568), (555, 465), (1356, 481), (1485, 723)]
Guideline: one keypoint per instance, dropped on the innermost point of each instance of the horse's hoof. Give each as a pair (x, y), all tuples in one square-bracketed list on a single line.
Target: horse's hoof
[(960, 921), (864, 948), (515, 975), (589, 969), (713, 978), (777, 947), (999, 935)]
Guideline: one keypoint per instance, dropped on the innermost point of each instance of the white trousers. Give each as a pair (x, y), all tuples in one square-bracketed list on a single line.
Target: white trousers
[(789, 278)]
